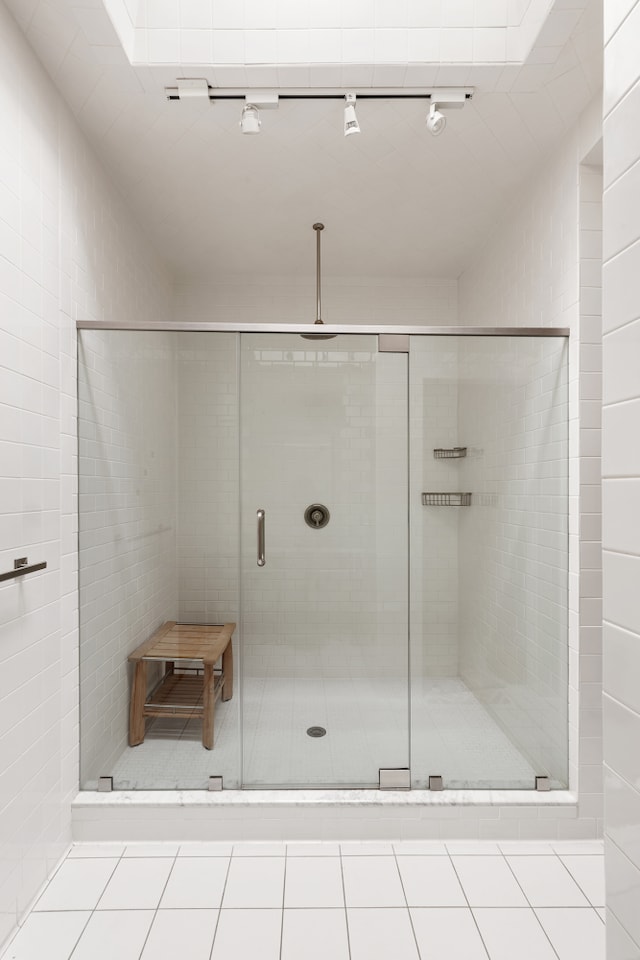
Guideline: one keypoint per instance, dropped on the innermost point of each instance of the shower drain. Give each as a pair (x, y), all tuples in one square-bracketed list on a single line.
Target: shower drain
[(316, 732)]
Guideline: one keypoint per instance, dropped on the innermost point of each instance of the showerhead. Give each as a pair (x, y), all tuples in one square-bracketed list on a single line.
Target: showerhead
[(318, 227)]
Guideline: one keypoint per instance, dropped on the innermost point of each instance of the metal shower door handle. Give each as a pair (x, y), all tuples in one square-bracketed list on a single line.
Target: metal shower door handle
[(261, 560)]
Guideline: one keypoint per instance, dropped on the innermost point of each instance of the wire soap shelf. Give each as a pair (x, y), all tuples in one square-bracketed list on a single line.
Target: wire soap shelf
[(446, 499), (449, 453)]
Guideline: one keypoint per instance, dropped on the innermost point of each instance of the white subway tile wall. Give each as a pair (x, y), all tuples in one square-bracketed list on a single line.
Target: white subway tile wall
[(68, 250), (621, 474), (433, 423)]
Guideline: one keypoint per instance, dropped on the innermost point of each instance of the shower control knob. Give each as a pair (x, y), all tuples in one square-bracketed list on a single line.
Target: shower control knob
[(317, 516)]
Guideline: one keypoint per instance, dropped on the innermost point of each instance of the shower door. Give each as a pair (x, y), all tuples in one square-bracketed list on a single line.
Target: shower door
[(324, 568)]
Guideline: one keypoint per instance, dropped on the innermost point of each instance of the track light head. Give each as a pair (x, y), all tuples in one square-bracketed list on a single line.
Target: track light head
[(250, 121), (351, 124), (436, 121)]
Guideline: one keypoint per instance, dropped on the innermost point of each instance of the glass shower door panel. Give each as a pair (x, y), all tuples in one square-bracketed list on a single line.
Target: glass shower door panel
[(489, 418), (324, 619)]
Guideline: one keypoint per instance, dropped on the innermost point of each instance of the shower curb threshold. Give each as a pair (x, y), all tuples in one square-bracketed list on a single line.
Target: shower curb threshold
[(311, 815), (306, 798)]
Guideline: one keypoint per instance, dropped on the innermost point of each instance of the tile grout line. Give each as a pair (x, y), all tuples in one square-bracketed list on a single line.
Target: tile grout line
[(583, 892), (531, 907), (92, 912), (344, 898), (224, 888), (469, 907), (284, 888), (404, 893), (155, 913)]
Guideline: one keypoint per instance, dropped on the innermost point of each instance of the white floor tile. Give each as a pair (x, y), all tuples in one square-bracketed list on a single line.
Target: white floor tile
[(528, 848), (314, 935), (47, 935), (212, 849), (259, 849), (93, 850), (248, 934), (196, 882), (588, 872), (420, 848), (118, 933), (77, 885), (380, 934), (488, 882), (255, 882), (313, 882), (151, 850), (430, 882), (578, 847), (181, 935), (448, 932), (136, 884), (366, 848), (546, 883), (312, 848), (472, 848), (574, 932), (509, 934), (372, 882)]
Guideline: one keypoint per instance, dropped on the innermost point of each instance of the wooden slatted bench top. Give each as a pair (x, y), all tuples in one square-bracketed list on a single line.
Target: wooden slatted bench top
[(185, 641)]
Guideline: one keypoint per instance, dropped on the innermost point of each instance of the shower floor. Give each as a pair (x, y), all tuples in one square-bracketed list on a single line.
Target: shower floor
[(366, 723)]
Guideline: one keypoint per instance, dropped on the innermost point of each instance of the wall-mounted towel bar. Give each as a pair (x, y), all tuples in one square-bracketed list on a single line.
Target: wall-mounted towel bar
[(20, 567)]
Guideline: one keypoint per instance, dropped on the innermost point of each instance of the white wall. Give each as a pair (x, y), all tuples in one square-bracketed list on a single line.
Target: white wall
[(128, 466), (67, 249), (288, 299), (621, 472), (529, 274)]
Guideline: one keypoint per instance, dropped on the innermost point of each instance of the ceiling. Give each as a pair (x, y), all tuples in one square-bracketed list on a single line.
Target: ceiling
[(395, 200)]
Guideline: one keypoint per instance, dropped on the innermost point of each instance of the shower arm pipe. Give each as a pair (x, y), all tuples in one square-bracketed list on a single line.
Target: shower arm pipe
[(318, 227), (347, 328)]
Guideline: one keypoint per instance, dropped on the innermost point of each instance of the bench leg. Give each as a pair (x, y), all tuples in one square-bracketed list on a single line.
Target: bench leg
[(227, 670), (138, 697), (208, 705)]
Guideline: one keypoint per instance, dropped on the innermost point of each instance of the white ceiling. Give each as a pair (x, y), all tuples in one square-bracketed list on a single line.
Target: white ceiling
[(395, 201)]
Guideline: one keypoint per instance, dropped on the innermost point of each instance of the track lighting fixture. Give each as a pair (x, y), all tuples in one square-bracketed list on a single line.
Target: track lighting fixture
[(351, 124), (449, 98), (250, 121), (436, 121)]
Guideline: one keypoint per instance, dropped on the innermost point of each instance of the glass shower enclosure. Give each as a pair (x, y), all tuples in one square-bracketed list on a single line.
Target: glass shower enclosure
[(382, 520)]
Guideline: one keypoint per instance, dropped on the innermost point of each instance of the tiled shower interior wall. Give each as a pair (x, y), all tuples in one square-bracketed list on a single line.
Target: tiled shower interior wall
[(68, 247), (621, 472), (208, 477), (433, 423), (513, 541), (127, 540)]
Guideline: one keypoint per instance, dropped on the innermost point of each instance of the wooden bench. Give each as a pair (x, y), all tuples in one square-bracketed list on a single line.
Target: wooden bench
[(180, 695)]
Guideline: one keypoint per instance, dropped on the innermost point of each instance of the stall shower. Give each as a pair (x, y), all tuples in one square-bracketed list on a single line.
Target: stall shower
[(381, 517)]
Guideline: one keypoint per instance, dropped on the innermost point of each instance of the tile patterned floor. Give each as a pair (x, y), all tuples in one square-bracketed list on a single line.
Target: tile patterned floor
[(454, 736), (412, 900)]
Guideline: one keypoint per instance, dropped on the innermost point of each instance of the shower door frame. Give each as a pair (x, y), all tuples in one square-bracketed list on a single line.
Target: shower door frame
[(396, 330)]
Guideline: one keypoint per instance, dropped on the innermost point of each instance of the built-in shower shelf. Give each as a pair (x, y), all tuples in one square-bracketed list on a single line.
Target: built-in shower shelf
[(446, 499), (449, 453)]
